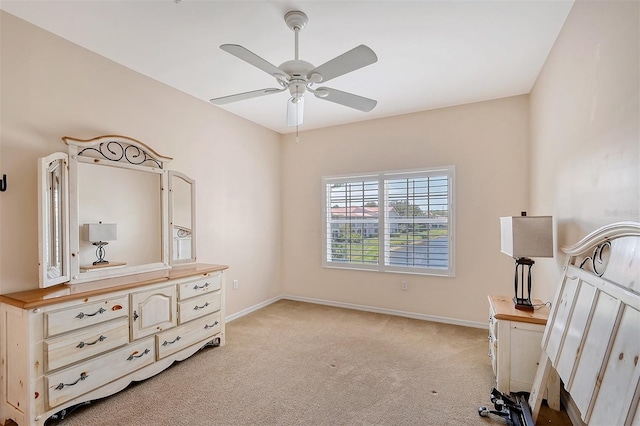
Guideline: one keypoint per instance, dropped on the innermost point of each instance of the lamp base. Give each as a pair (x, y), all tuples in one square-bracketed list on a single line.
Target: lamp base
[(522, 304)]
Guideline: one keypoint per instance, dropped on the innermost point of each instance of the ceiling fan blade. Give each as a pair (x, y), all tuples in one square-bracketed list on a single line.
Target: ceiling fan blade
[(295, 111), (242, 96), (347, 99), (253, 59), (352, 60)]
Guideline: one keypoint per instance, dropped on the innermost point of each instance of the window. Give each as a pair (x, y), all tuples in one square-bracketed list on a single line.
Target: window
[(391, 221)]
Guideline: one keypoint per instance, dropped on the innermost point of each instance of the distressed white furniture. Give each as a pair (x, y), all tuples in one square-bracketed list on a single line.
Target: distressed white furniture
[(116, 180), (515, 338), (593, 335), (62, 346), (93, 328)]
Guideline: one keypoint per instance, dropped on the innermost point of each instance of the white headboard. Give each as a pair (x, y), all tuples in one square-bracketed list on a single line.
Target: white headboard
[(592, 338)]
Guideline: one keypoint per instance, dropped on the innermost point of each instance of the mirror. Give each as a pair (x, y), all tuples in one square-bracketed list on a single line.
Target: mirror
[(130, 200), (53, 220), (105, 212), (118, 221), (182, 218)]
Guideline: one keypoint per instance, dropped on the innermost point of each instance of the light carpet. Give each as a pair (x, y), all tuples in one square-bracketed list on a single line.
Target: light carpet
[(294, 363)]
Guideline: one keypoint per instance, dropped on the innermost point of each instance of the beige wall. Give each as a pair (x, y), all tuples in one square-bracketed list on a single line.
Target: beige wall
[(579, 127), (486, 142), (585, 138), (52, 88)]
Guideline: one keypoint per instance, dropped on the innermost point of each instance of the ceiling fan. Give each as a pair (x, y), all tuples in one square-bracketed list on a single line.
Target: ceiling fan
[(300, 76)]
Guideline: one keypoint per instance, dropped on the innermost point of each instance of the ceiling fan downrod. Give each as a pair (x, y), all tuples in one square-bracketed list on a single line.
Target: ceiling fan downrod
[(296, 21)]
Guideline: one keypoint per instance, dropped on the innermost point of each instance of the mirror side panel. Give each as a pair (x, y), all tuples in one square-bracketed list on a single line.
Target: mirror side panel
[(53, 219)]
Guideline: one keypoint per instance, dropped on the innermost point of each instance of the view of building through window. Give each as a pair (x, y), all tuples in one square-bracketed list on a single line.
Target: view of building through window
[(390, 221)]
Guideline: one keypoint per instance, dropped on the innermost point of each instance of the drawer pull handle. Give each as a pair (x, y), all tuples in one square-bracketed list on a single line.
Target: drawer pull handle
[(135, 315), (195, 308), (99, 311), (99, 339), (133, 355), (171, 342), (198, 287), (207, 326), (83, 376)]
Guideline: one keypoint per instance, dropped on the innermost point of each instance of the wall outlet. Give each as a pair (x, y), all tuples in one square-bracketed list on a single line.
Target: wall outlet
[(404, 285), (235, 284)]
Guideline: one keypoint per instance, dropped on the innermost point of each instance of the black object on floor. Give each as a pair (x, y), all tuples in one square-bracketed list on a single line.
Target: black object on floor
[(514, 409)]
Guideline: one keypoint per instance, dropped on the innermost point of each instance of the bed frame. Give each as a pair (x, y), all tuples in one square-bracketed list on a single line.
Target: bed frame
[(592, 338)]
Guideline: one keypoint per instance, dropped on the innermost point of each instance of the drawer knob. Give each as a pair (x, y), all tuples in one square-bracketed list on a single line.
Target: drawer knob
[(83, 376), (171, 342), (195, 308), (99, 339), (99, 311), (198, 287), (207, 326), (133, 355)]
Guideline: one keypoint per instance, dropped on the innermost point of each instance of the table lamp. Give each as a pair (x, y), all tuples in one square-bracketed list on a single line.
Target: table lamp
[(523, 237)]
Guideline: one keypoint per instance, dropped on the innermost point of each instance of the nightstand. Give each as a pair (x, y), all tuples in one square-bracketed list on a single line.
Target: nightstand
[(515, 345)]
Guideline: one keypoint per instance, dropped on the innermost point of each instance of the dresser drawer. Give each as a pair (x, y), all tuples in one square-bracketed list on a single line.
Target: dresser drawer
[(198, 307), (82, 378), (74, 318), (207, 284), (186, 335), (73, 347)]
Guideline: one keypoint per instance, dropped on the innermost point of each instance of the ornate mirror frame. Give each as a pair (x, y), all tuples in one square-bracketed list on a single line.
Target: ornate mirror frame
[(60, 232), (119, 152)]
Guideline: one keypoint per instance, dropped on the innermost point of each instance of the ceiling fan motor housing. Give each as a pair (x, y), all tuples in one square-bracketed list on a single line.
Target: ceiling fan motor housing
[(296, 20)]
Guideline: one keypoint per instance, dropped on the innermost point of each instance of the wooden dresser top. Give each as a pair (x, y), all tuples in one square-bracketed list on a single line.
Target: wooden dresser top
[(504, 309), (64, 292)]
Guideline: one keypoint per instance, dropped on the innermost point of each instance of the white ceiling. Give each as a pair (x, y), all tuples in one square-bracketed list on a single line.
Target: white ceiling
[(431, 54)]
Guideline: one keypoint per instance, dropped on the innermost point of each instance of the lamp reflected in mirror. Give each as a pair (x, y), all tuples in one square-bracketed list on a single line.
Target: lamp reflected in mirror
[(99, 234)]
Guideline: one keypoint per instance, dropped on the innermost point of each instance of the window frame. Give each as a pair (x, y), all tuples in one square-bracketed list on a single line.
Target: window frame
[(383, 236)]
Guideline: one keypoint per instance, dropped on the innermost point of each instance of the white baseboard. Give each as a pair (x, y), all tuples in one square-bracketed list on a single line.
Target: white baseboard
[(413, 315), (251, 309)]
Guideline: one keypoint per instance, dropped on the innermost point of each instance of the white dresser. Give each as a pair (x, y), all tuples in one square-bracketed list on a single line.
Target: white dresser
[(515, 345), (66, 344)]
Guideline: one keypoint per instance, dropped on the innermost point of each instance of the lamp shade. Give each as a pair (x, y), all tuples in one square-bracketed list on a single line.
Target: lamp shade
[(526, 236), (97, 232)]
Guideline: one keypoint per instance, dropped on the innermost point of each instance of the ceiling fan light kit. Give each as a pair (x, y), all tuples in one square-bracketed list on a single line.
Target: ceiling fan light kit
[(300, 76)]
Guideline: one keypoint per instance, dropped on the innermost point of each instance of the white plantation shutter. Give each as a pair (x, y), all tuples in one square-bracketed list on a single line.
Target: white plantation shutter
[(352, 224), (392, 221)]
